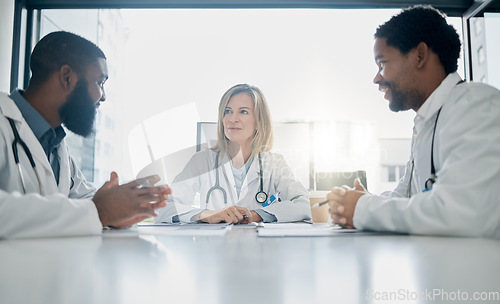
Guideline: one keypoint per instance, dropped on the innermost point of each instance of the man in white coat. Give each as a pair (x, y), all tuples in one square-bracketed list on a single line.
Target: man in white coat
[(42, 191), (452, 180)]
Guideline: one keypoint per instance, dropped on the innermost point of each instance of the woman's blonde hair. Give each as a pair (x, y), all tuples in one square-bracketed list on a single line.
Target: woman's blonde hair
[(263, 139)]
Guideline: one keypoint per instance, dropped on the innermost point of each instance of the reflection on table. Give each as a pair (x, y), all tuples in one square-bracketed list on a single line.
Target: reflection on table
[(240, 267)]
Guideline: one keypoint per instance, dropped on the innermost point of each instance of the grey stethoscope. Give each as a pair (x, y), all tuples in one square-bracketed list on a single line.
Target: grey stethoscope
[(260, 197), (19, 141)]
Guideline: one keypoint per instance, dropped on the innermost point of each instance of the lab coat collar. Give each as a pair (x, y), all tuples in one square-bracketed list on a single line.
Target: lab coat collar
[(436, 100), (253, 171), (252, 174), (35, 120), (9, 109)]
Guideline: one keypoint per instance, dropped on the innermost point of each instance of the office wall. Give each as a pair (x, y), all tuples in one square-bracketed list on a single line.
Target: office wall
[(492, 25), (6, 27)]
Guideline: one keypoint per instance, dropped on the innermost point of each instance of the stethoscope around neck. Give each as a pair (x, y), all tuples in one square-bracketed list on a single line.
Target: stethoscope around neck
[(18, 141), (432, 179), (260, 197)]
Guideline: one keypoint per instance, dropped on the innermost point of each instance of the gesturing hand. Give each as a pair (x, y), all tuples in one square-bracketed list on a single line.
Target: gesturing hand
[(125, 205)]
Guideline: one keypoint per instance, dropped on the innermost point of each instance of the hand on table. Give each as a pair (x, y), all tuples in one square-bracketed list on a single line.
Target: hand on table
[(232, 215)]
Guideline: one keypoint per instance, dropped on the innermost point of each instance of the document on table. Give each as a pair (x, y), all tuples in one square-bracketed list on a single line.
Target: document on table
[(187, 225), (301, 229), (170, 229), (187, 230)]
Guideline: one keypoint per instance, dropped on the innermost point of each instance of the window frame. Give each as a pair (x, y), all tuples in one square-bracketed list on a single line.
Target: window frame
[(27, 18)]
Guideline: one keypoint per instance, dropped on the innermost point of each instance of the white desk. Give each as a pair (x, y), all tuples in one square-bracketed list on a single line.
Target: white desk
[(242, 268)]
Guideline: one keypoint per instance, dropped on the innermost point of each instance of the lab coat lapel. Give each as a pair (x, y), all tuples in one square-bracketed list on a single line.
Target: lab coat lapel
[(9, 109), (232, 196), (252, 175), (424, 127), (64, 171)]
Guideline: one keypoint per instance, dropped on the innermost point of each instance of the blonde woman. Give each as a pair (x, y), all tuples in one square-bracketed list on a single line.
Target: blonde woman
[(238, 180)]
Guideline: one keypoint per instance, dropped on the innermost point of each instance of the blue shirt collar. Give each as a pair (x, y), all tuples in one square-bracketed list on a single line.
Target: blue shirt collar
[(37, 123), (48, 137)]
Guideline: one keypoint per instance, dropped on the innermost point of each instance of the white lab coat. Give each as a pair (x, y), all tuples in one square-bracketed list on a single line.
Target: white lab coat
[(465, 200), (65, 209), (198, 176)]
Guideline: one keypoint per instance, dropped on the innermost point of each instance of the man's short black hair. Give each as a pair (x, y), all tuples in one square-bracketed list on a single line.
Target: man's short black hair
[(61, 48), (423, 23)]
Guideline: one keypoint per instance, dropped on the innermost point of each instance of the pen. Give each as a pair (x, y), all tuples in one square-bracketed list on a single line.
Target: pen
[(319, 204)]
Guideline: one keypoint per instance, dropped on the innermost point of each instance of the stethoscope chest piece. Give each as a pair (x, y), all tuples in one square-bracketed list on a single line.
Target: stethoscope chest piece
[(429, 182), (261, 197)]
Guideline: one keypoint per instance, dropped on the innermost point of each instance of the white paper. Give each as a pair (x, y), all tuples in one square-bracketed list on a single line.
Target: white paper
[(192, 225), (299, 225), (292, 229), (174, 230)]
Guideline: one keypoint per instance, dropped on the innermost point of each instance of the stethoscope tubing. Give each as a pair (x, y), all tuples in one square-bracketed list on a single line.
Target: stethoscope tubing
[(18, 141), (432, 179), (217, 185), (261, 196)]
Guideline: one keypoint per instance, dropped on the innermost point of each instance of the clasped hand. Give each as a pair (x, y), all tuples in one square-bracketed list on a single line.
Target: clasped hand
[(342, 201)]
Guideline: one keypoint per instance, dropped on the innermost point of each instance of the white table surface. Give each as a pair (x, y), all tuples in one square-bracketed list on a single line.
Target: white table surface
[(240, 267)]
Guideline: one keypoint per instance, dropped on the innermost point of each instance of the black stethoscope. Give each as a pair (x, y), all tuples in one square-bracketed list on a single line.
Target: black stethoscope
[(260, 197), (19, 141), (432, 179)]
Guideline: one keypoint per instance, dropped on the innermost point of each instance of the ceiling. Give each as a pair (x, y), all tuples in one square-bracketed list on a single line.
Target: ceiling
[(450, 7)]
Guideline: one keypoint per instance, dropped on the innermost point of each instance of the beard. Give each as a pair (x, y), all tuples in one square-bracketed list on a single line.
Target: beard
[(403, 100), (79, 112)]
